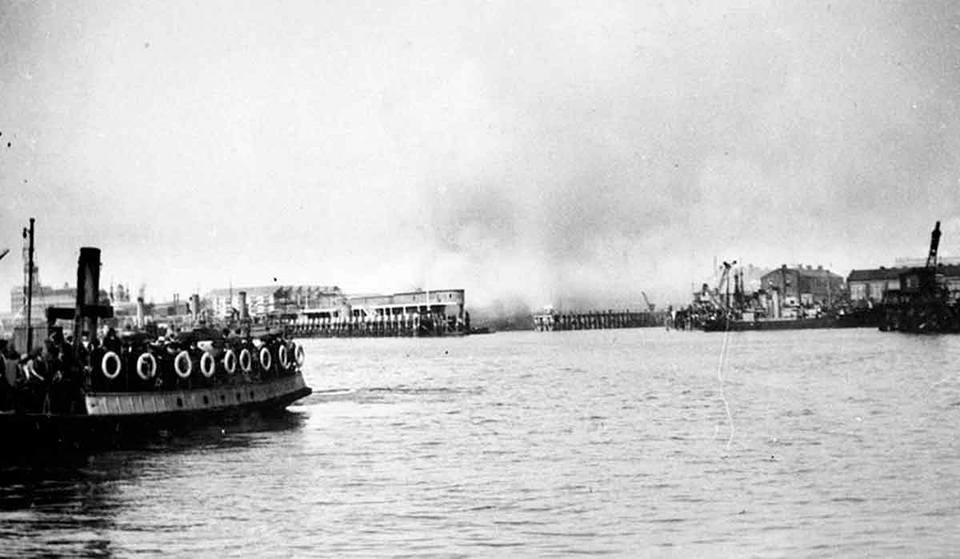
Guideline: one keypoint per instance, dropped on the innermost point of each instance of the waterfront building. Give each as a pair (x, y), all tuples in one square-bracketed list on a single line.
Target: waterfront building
[(44, 296), (441, 302), (445, 302), (329, 302), (804, 285), (869, 286), (272, 299), (435, 312)]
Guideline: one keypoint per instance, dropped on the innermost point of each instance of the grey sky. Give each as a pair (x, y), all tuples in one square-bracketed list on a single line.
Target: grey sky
[(540, 149)]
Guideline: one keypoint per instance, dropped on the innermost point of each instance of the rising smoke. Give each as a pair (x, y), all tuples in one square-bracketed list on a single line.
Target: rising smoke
[(621, 150)]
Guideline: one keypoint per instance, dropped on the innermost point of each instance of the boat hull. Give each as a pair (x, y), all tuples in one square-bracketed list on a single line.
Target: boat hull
[(117, 417), (790, 324)]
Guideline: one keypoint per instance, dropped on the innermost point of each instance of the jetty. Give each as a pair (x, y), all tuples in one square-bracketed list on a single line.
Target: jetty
[(551, 321)]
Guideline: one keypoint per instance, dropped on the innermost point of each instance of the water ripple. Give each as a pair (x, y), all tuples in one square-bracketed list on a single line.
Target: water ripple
[(592, 443)]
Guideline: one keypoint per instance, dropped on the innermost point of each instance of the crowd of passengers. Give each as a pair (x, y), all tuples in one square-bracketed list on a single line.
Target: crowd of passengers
[(54, 376)]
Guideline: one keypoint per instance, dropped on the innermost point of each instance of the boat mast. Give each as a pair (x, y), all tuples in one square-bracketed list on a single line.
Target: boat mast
[(30, 287)]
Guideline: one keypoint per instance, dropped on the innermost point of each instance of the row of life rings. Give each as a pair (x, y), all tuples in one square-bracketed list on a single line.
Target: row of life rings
[(111, 366)]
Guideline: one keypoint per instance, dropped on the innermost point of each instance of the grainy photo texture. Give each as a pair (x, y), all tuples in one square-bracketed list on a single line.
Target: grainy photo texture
[(479, 278)]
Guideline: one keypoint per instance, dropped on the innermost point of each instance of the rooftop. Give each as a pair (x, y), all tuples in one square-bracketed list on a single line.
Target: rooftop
[(807, 271), (883, 273), (880, 273)]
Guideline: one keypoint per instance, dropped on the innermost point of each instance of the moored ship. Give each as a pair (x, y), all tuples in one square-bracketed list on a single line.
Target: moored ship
[(77, 388), (721, 324), (854, 319), (787, 299)]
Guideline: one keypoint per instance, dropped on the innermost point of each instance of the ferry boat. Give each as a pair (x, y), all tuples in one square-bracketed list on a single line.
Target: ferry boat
[(80, 390)]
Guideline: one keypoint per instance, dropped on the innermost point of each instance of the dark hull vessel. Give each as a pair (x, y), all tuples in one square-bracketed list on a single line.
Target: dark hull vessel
[(919, 316), (857, 319), (114, 417), (91, 392), (721, 325), (111, 418)]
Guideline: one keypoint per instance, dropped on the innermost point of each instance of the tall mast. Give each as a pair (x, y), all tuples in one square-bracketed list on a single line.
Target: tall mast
[(30, 288)]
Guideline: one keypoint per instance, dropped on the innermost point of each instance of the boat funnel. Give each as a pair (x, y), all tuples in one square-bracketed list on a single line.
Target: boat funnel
[(88, 291)]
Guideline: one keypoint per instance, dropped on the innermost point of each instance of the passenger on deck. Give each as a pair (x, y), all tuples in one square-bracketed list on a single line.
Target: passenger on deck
[(84, 352), (8, 375), (57, 385), (84, 349), (32, 366), (50, 354), (111, 342), (71, 375)]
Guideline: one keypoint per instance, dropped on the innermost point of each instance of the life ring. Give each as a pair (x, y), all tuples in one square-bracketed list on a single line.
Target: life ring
[(282, 353), (151, 366), (104, 365), (183, 371), (246, 360), (208, 365), (299, 355), (229, 361), (265, 358)]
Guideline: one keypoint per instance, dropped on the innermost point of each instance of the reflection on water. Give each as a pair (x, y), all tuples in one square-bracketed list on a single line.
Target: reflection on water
[(60, 503), (598, 442)]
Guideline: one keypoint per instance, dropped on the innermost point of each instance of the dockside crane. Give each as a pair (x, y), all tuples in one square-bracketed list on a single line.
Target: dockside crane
[(934, 246), (925, 283), (931, 284), (650, 306), (722, 297)]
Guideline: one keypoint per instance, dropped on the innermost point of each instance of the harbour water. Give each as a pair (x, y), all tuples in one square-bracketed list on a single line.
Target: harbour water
[(837, 443)]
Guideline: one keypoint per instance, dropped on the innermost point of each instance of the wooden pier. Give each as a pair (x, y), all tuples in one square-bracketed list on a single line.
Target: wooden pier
[(598, 320)]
